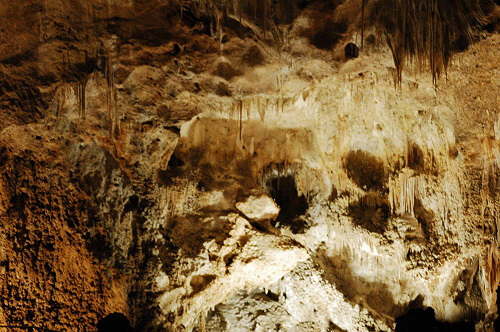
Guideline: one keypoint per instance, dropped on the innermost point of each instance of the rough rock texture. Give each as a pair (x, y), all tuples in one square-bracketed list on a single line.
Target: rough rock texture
[(259, 208), (141, 144)]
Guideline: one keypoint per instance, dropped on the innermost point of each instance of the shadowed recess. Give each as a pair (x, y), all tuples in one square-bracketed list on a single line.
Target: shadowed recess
[(371, 212), (364, 169), (418, 319), (292, 205), (114, 322)]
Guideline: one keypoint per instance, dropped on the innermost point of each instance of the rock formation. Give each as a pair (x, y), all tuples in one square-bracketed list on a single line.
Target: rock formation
[(253, 165)]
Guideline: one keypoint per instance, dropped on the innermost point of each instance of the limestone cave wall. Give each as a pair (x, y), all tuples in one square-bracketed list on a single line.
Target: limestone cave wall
[(244, 166)]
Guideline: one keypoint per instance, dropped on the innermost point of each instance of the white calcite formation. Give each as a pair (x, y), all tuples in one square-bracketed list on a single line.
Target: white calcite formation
[(259, 208)]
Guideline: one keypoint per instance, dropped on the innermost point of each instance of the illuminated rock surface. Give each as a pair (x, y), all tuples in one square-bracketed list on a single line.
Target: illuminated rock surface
[(164, 167)]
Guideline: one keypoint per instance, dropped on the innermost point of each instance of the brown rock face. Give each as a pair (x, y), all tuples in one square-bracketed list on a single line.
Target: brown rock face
[(50, 276), (233, 166)]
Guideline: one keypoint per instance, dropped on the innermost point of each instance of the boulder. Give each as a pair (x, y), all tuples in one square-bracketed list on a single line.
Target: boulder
[(259, 208)]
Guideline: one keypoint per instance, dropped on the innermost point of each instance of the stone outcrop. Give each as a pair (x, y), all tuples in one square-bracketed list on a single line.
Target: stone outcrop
[(259, 208)]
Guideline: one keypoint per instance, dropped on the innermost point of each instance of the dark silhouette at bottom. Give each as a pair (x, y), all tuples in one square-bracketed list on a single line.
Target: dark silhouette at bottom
[(115, 322), (419, 320)]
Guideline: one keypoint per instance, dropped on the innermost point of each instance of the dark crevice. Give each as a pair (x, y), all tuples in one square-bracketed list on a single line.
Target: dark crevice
[(424, 319), (292, 205), (175, 162), (174, 169), (351, 51), (416, 158), (132, 204)]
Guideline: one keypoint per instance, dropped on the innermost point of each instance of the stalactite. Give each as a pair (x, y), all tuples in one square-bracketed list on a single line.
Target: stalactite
[(111, 95), (109, 81), (60, 97), (403, 192), (81, 97), (422, 32), (261, 109), (398, 62), (78, 93), (251, 149), (240, 118), (219, 31), (492, 270), (490, 171), (180, 198), (43, 17), (363, 5)]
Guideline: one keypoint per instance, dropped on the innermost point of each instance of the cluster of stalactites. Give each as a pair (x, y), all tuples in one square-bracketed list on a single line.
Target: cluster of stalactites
[(100, 53), (244, 108), (61, 96), (180, 198), (259, 8), (404, 191), (78, 89), (422, 32), (277, 170), (247, 107)]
